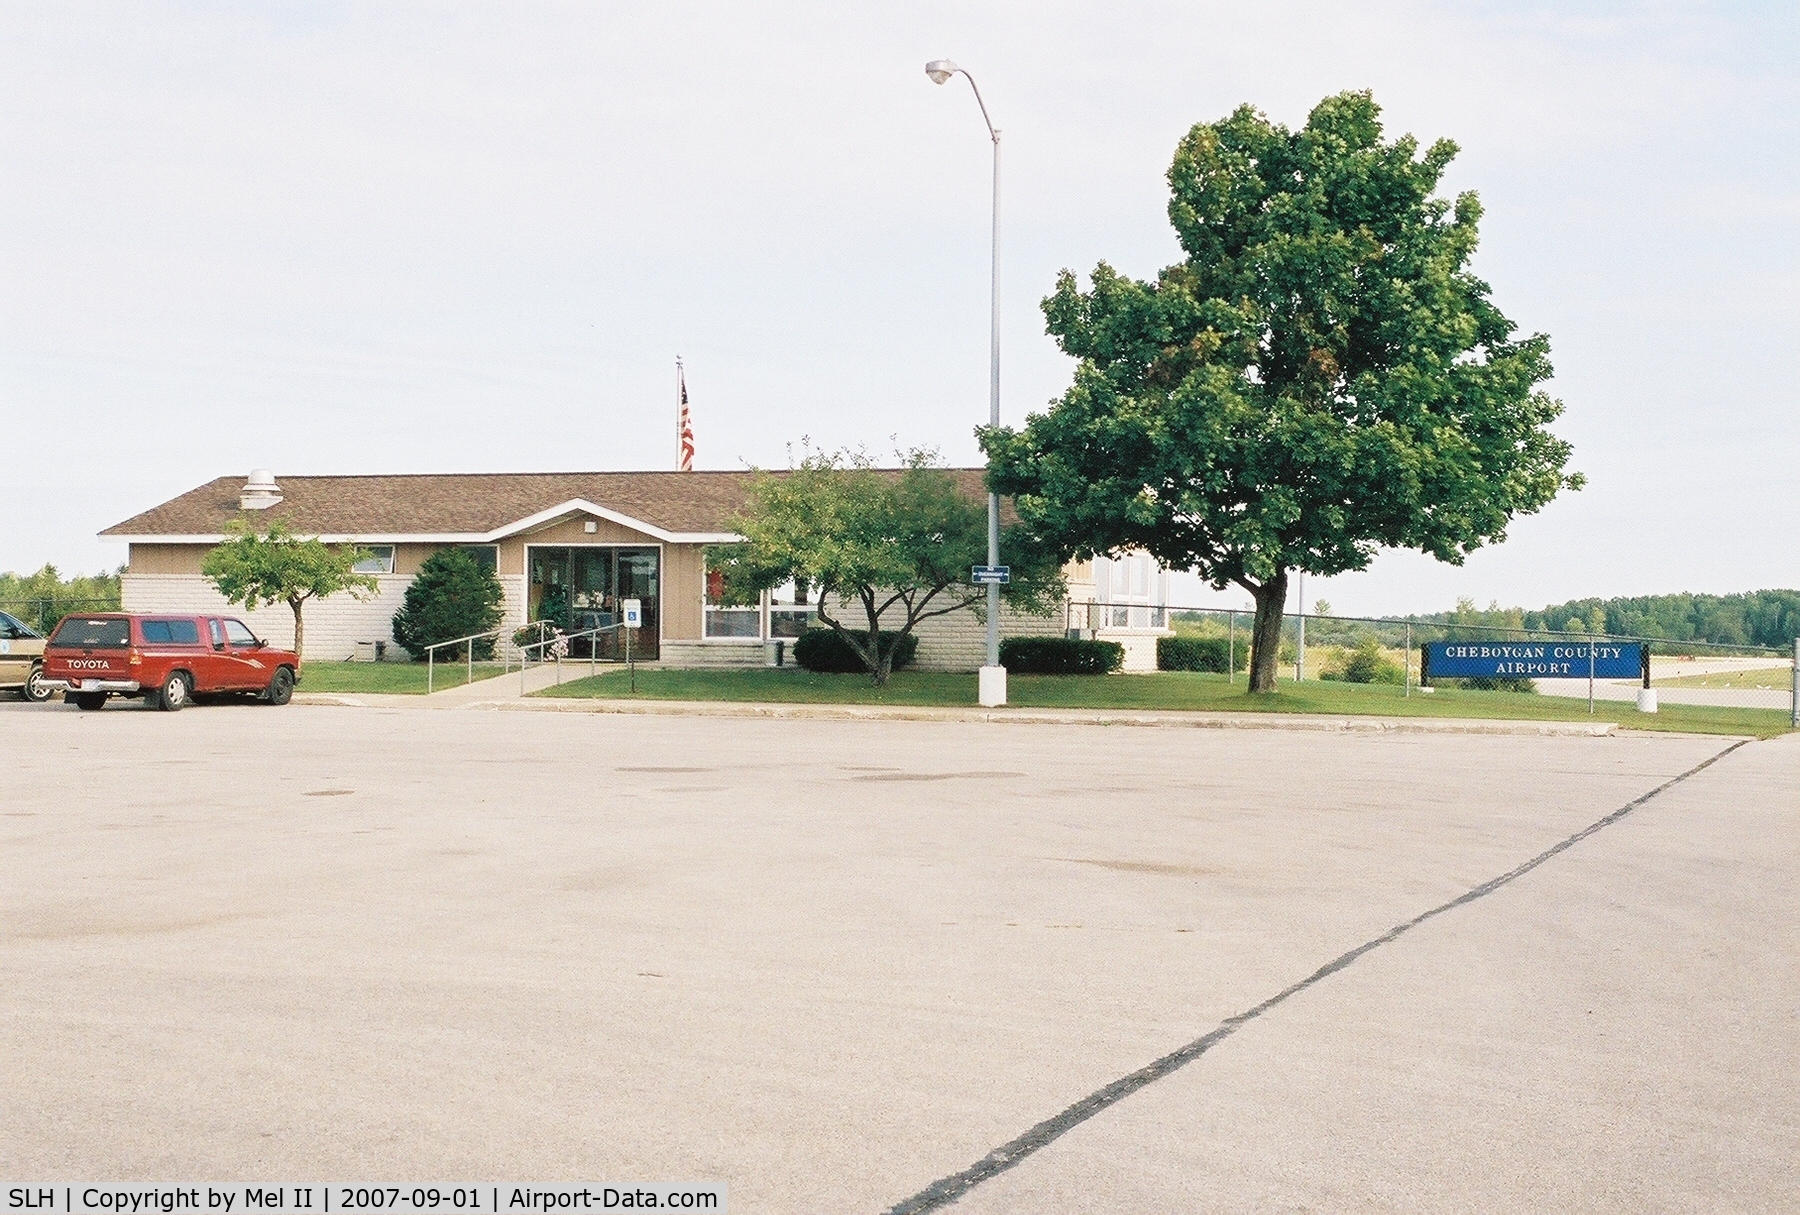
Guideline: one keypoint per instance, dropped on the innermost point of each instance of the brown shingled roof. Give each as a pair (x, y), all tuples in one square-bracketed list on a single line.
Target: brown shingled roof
[(463, 503)]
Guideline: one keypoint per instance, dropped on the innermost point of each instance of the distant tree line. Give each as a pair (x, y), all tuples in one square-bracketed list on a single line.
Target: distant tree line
[(1769, 619), (1756, 618), (1760, 618), (44, 598)]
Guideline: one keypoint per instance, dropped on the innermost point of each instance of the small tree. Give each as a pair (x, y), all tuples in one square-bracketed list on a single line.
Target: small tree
[(453, 596), (275, 566), (888, 540), (1322, 375)]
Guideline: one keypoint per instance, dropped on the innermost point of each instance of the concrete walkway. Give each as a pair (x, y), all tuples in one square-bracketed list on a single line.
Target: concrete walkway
[(499, 688), (1192, 719), (504, 693), (483, 692)]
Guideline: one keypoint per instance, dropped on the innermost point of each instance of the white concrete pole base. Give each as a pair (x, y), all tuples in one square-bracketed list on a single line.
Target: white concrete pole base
[(1646, 700), (993, 687)]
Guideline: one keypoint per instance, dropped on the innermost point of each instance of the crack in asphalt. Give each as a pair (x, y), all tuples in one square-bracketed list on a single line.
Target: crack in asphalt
[(946, 1190)]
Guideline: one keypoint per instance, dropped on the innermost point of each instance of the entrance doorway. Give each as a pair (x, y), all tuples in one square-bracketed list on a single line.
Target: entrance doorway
[(578, 587)]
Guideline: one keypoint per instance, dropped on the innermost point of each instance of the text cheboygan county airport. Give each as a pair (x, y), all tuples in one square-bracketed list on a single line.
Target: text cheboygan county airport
[(1544, 660)]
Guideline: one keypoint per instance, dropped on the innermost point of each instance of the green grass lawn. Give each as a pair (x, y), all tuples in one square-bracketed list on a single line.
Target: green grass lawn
[(405, 678), (1163, 691)]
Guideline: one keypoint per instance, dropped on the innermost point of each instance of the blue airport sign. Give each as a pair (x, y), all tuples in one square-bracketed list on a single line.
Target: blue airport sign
[(1534, 659), (984, 574)]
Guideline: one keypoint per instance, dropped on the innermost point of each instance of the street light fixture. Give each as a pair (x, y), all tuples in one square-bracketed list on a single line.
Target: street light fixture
[(993, 675)]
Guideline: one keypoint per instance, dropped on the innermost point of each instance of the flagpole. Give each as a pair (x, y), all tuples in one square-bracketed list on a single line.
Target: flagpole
[(678, 386)]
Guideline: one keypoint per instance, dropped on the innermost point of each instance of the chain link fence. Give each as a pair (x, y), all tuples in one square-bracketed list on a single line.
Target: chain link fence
[(1362, 649), (44, 614)]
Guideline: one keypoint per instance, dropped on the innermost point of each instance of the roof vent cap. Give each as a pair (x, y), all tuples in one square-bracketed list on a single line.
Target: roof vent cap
[(260, 492)]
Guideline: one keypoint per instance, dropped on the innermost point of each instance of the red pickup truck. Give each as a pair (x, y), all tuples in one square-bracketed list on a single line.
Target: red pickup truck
[(166, 659)]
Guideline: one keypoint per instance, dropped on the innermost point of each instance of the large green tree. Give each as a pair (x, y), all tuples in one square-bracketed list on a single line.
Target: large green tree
[(257, 567), (897, 544), (1322, 374)]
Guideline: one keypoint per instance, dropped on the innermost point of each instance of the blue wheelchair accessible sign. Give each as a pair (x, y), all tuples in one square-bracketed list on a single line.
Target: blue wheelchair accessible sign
[(1535, 659)]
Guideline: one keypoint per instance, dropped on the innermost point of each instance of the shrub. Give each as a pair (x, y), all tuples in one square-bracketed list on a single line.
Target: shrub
[(451, 597), (823, 650), (1489, 683), (1367, 664), (1060, 656), (1201, 654)]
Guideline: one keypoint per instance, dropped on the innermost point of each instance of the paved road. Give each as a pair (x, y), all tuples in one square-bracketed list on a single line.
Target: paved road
[(833, 962), (1778, 698)]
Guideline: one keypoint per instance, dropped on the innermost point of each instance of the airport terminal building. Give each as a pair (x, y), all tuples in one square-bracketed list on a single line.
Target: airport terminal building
[(568, 547)]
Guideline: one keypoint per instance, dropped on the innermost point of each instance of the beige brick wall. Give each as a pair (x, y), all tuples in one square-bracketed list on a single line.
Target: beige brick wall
[(719, 654), (957, 641), (333, 626)]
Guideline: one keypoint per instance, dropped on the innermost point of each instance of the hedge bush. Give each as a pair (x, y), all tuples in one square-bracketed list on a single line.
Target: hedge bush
[(824, 651), (1060, 656), (1367, 664), (1201, 654), (1489, 683), (452, 596)]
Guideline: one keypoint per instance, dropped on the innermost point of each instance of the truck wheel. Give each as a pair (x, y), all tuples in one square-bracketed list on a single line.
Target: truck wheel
[(35, 691), (176, 692), (281, 688), (87, 700)]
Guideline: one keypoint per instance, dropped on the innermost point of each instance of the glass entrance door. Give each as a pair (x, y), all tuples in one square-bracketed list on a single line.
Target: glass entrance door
[(578, 587), (639, 578)]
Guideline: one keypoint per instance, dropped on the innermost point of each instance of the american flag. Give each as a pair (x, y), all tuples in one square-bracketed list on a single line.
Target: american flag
[(684, 425)]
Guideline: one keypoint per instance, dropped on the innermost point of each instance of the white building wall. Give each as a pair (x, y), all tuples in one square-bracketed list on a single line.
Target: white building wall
[(512, 613), (1134, 582), (957, 641), (333, 626)]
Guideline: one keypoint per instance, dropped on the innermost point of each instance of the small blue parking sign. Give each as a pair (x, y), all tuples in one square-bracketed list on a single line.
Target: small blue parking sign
[(984, 574), (634, 612)]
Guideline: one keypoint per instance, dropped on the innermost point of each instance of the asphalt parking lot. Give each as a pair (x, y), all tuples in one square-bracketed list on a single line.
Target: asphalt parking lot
[(837, 963)]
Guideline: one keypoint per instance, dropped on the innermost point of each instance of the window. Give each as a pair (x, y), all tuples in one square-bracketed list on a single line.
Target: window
[(239, 636), (84, 633), (171, 632), (12, 630), (218, 634), (790, 613), (379, 561), (730, 610), (487, 556)]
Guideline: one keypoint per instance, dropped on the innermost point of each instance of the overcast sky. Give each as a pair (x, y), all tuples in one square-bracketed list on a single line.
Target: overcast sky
[(364, 238)]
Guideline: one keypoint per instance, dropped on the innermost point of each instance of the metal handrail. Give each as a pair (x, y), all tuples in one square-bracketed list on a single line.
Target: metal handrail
[(544, 642), (563, 638), (431, 656)]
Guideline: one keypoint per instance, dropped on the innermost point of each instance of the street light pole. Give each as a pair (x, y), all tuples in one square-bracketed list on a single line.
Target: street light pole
[(993, 675)]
